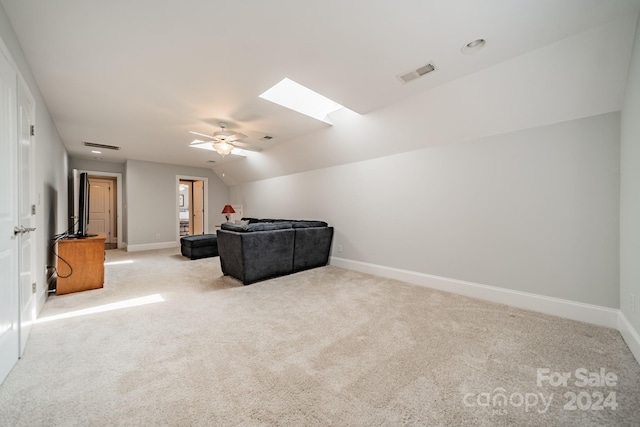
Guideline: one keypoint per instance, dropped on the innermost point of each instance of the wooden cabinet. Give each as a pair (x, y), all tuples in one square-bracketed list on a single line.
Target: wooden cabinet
[(82, 260)]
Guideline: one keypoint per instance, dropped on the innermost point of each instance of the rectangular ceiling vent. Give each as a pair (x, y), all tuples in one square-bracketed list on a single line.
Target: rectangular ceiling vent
[(418, 72), (104, 146)]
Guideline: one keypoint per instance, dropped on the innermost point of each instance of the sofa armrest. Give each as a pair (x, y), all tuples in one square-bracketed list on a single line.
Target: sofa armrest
[(312, 247), (255, 256)]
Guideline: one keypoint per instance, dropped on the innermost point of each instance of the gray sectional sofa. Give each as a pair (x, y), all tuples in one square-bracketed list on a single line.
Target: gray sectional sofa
[(264, 248)]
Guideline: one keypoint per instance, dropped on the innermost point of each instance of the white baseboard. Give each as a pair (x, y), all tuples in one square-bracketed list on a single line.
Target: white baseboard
[(598, 315), (152, 246), (630, 335), (42, 299)]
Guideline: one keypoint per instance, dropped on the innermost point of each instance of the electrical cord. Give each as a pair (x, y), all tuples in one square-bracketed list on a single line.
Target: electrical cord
[(55, 240)]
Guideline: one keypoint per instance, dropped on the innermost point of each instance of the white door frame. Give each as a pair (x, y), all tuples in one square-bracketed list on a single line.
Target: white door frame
[(118, 177), (106, 184), (27, 261), (206, 202), (9, 217)]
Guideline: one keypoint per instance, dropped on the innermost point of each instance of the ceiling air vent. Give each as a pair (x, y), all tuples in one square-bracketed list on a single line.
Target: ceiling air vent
[(418, 72), (104, 146)]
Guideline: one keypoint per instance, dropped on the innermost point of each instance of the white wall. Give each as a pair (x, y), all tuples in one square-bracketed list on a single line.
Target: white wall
[(51, 167), (534, 210), (508, 177), (630, 194), (151, 200), (581, 76), (95, 165)]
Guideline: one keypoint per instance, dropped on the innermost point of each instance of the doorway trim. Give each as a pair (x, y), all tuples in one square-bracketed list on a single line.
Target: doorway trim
[(118, 177), (27, 295), (10, 250), (206, 201)]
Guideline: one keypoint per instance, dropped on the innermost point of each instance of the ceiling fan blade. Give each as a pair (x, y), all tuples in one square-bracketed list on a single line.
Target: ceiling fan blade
[(245, 146), (201, 134), (198, 142)]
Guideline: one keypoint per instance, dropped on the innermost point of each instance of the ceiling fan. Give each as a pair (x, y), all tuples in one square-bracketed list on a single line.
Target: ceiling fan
[(224, 141)]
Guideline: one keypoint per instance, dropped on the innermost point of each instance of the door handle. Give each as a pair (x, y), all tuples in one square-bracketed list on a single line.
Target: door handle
[(22, 230)]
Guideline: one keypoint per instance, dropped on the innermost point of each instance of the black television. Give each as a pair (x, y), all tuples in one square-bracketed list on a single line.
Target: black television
[(83, 205)]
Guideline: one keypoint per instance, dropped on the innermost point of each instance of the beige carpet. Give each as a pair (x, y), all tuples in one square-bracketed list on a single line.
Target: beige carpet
[(323, 347)]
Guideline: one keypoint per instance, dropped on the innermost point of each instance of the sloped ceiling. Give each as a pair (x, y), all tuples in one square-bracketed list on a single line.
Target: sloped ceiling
[(140, 74)]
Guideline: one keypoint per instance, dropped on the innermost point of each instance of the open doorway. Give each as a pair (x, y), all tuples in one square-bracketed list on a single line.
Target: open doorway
[(109, 199), (103, 207), (191, 206)]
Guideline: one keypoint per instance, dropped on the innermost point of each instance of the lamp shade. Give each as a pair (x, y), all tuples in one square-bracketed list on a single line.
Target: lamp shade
[(223, 148), (228, 209)]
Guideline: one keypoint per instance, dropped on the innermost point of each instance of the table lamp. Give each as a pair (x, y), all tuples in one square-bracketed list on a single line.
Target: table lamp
[(227, 210)]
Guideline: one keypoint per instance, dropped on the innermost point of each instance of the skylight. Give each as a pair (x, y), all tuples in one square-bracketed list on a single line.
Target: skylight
[(301, 99)]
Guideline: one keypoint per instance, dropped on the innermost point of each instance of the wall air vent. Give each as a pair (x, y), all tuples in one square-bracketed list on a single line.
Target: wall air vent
[(418, 72), (96, 145)]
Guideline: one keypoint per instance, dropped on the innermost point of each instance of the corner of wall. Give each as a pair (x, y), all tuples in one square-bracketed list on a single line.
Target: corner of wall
[(630, 204), (630, 335)]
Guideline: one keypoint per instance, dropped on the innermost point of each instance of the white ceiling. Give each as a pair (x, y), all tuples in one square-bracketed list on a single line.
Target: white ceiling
[(140, 74)]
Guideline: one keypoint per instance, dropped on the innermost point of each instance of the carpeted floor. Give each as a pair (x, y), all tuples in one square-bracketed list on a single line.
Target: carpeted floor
[(173, 342)]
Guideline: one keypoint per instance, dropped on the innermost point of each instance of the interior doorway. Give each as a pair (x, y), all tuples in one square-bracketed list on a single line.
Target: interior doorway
[(18, 287), (9, 250), (116, 206), (102, 209), (192, 206)]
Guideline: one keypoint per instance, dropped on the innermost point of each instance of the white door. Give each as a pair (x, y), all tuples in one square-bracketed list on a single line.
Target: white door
[(9, 308), (100, 208), (198, 207), (27, 215), (184, 208)]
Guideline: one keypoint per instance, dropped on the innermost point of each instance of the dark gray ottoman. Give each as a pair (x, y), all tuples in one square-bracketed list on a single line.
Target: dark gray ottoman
[(199, 246)]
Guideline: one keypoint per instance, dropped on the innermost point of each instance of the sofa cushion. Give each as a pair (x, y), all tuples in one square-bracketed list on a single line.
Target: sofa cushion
[(307, 224), (251, 220), (257, 226), (295, 223)]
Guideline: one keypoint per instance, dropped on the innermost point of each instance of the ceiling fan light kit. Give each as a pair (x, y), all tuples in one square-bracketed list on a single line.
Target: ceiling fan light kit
[(222, 148), (224, 141)]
